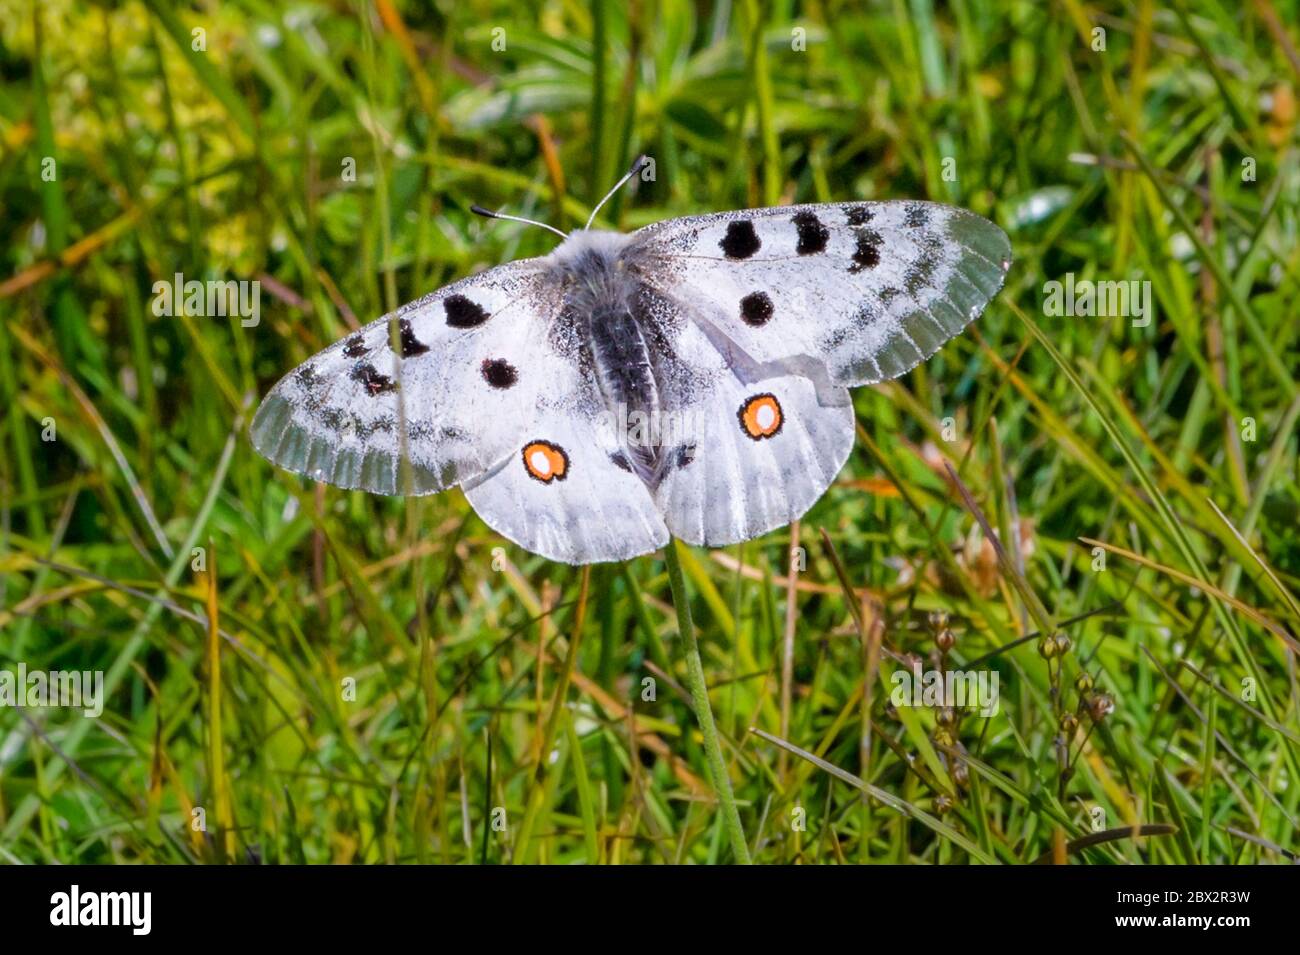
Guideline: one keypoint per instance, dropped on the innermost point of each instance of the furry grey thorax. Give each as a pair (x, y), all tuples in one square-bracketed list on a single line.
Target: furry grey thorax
[(601, 285)]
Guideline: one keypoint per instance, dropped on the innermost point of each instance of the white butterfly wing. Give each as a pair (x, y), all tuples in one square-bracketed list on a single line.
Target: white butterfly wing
[(775, 311), (868, 288), (761, 318), (747, 446), (568, 494), (458, 400), (491, 392)]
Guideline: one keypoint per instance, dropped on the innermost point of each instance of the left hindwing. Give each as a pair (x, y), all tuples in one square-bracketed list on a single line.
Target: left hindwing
[(568, 493), (870, 289)]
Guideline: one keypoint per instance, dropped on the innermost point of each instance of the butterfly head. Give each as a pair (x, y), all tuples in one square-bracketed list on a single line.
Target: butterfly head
[(585, 248), (592, 265)]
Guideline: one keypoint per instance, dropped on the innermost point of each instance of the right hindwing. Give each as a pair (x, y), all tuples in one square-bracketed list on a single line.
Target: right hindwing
[(745, 446)]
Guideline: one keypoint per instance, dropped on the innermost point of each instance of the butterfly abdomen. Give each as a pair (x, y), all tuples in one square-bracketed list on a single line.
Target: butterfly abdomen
[(602, 288), (622, 357), (626, 376)]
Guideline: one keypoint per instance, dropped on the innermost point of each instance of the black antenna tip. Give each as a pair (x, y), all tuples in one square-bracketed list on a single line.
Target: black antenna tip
[(480, 211)]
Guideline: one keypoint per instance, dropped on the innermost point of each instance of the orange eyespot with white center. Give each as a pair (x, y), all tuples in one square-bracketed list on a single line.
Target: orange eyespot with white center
[(545, 462), (761, 416)]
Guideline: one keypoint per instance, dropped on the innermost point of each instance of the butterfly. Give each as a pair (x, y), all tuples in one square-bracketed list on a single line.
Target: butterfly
[(690, 378)]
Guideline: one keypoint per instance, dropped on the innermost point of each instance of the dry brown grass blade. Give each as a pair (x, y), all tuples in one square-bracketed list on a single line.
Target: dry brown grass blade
[(1107, 835), (74, 254), (397, 27)]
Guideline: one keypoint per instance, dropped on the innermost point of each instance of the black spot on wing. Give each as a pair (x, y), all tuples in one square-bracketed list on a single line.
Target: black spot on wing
[(354, 347), (374, 382), (364, 430), (812, 234), (868, 314), (411, 345), (858, 215), (916, 215), (462, 313), (621, 462), (920, 274), (866, 254), (741, 241), (499, 373), (834, 339), (756, 308)]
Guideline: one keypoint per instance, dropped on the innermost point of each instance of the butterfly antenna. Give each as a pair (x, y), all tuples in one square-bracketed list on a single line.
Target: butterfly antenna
[(636, 168), (489, 214)]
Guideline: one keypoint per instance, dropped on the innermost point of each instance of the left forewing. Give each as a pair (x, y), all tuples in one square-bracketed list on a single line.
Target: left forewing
[(428, 397)]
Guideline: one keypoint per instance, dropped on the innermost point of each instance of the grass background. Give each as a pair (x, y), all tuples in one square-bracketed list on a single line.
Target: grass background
[(487, 684)]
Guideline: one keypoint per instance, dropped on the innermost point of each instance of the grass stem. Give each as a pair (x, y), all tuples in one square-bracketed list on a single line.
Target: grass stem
[(700, 701)]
